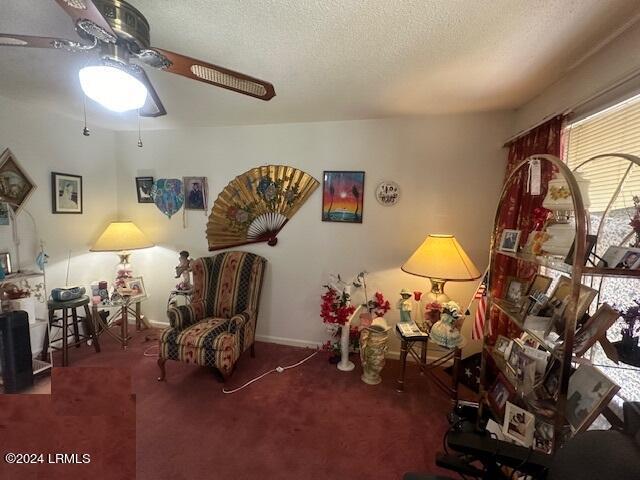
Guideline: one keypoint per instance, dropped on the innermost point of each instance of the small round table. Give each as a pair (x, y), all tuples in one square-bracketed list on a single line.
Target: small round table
[(119, 311)]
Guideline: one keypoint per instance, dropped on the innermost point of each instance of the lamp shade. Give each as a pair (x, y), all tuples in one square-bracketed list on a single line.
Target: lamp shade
[(120, 236), (441, 257)]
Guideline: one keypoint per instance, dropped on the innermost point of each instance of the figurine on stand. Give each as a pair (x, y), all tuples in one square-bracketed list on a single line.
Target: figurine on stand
[(405, 305), (446, 331), (184, 270)]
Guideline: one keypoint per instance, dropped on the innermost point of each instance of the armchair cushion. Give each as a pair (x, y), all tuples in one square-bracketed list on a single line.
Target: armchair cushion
[(185, 315)]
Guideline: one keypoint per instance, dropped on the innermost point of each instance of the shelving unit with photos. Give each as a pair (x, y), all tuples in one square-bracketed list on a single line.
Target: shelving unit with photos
[(542, 387)]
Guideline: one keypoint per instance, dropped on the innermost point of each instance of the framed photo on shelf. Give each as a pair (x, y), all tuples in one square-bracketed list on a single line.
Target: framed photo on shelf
[(66, 193), (5, 262), (562, 292), (510, 240), (515, 290), (543, 436), (518, 424), (342, 196), (502, 346), (136, 284), (620, 257), (144, 185), (551, 381), (591, 242), (589, 392), (595, 328), (500, 393), (539, 284)]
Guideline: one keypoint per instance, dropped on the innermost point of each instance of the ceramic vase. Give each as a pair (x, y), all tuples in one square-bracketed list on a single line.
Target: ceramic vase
[(373, 348), (345, 364)]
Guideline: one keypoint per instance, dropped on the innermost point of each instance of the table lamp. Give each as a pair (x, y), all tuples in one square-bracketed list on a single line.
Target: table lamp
[(121, 237), (441, 259)]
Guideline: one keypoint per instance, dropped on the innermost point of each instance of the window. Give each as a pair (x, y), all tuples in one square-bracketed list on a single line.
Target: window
[(614, 130)]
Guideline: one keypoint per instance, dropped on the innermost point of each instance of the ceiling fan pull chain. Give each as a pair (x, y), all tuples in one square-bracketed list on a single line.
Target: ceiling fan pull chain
[(139, 135), (85, 130)]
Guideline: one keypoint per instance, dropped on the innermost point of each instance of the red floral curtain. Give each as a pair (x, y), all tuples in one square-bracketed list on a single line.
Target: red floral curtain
[(518, 208)]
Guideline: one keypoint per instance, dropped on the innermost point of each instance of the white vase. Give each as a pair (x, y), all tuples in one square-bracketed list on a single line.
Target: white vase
[(27, 304), (373, 347), (344, 364)]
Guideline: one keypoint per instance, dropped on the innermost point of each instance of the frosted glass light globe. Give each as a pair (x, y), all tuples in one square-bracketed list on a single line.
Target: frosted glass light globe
[(112, 88)]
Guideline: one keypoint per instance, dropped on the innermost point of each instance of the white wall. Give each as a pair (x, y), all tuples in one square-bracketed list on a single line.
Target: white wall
[(44, 142), (449, 168), (614, 62)]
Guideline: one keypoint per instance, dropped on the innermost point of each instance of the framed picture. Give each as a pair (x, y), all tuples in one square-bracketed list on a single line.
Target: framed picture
[(342, 196), (539, 284), (589, 392), (591, 242), (512, 358), (551, 380), (5, 263), (500, 393), (620, 257), (595, 328), (630, 259), (562, 293), (195, 193), (4, 214), (509, 240), (518, 424), (137, 285), (502, 346), (523, 368), (515, 290), (144, 185), (542, 436), (15, 185), (66, 193)]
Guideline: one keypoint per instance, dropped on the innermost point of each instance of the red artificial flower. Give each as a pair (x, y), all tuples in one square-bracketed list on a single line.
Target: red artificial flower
[(417, 296)]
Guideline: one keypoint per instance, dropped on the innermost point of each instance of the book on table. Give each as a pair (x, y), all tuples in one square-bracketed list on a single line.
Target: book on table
[(410, 329)]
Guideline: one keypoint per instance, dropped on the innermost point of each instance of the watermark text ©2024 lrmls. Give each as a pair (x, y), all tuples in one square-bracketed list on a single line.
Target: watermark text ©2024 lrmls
[(53, 458)]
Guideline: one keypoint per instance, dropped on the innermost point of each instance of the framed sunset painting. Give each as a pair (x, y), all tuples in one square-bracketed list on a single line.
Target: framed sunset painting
[(342, 196)]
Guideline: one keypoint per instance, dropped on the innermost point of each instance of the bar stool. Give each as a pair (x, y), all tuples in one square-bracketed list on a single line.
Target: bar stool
[(63, 323)]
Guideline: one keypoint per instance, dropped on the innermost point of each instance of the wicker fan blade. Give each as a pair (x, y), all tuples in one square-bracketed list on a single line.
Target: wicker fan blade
[(255, 206), (9, 40), (153, 107), (215, 75), (88, 18)]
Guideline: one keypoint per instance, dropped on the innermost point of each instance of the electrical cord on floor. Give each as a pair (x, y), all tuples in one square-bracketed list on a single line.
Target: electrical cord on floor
[(277, 369), (147, 354)]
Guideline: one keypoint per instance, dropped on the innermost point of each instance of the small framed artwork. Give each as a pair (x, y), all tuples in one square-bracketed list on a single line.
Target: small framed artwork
[(562, 292), (66, 193), (518, 424), (595, 328), (144, 186), (551, 380), (500, 393), (342, 196), (515, 290), (621, 257), (512, 359), (15, 185), (5, 263), (588, 394), (509, 240), (528, 340), (387, 193), (195, 193), (539, 284), (502, 346), (542, 436), (591, 242), (136, 284)]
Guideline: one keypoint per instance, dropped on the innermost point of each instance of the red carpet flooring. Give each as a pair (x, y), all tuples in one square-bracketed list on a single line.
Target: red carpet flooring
[(311, 422)]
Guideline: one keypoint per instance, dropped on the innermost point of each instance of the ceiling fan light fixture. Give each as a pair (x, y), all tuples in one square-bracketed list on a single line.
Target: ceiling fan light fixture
[(112, 87)]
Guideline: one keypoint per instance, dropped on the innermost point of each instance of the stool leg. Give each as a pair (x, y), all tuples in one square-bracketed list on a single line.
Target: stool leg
[(76, 330), (65, 333), (90, 327), (45, 345)]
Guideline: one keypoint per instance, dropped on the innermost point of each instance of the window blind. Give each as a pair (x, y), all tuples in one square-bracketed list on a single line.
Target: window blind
[(614, 130)]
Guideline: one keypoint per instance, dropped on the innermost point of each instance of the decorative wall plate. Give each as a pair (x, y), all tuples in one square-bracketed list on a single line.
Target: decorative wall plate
[(255, 206), (387, 193), (167, 195)]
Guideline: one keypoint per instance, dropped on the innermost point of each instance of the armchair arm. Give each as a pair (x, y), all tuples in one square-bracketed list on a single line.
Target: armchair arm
[(185, 315), (240, 319)]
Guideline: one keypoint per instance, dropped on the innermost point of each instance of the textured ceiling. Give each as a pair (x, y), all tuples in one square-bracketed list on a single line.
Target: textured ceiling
[(329, 59)]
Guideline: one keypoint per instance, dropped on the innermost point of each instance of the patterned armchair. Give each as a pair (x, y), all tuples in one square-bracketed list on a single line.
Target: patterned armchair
[(220, 322)]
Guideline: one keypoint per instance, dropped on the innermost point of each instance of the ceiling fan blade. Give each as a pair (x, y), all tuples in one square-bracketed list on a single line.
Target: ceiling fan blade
[(11, 40), (88, 18), (215, 75), (153, 106)]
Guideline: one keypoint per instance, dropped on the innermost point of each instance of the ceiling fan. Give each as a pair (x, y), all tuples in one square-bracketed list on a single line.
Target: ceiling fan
[(119, 34)]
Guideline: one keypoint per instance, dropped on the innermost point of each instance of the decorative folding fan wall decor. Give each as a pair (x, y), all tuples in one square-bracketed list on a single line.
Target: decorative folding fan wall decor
[(255, 206)]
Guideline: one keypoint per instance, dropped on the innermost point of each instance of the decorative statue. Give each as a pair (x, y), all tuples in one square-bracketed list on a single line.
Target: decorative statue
[(184, 270), (405, 305), (373, 347), (446, 331)]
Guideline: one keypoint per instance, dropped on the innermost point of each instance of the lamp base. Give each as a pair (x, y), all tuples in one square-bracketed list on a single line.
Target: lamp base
[(437, 292)]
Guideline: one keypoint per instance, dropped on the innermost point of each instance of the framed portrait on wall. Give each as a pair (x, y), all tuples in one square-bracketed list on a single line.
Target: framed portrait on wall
[(66, 193), (195, 193), (144, 185), (342, 196), (15, 185)]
